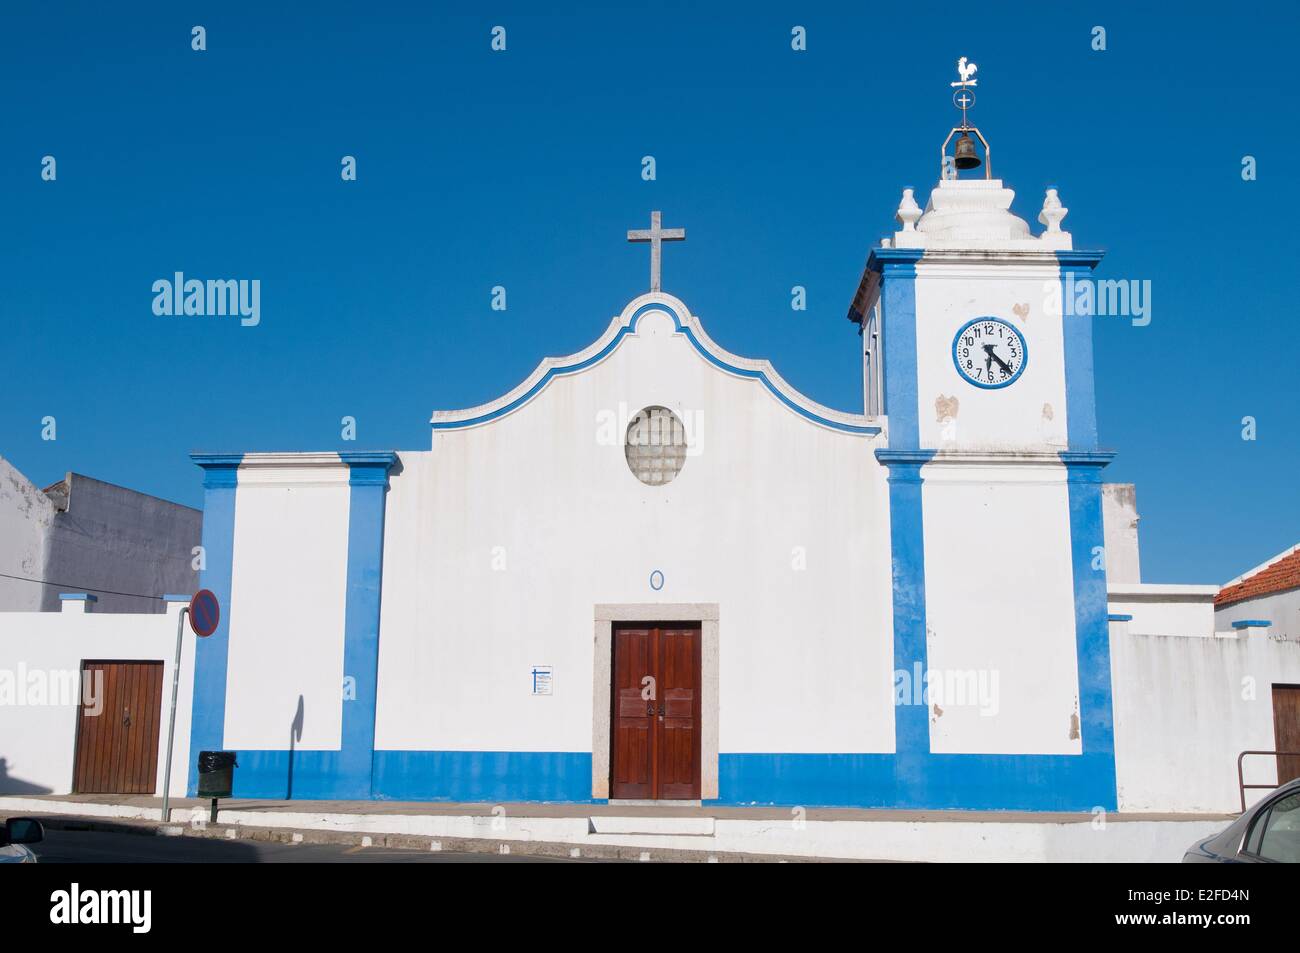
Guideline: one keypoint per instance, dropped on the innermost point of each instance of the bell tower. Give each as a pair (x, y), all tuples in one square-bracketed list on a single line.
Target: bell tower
[(986, 391)]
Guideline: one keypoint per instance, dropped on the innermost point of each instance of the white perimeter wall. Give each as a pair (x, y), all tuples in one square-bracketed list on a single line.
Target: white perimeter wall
[(1000, 606), (38, 742), (1185, 706), (288, 591), (500, 542), (1163, 609)]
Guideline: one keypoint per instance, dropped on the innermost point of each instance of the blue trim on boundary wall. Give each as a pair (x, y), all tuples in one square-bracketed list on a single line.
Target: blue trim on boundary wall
[(1076, 329), (211, 654), (608, 349), (897, 267)]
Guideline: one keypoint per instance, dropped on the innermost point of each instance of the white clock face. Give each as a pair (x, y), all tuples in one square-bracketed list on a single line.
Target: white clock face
[(989, 352)]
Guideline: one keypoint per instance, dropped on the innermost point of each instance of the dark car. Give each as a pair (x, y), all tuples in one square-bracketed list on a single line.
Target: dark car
[(15, 835), (1268, 833)]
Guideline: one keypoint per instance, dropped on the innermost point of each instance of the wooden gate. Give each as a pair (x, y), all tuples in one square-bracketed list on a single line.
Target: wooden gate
[(117, 730)]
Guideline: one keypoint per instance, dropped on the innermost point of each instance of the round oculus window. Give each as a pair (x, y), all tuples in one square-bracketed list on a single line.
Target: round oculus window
[(655, 446)]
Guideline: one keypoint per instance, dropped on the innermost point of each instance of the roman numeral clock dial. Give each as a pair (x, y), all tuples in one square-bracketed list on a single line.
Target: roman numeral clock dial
[(989, 353)]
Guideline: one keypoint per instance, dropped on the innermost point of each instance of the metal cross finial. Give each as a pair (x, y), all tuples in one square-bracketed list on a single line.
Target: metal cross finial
[(655, 235)]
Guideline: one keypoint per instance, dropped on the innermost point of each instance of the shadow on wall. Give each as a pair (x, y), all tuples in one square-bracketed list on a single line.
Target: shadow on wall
[(295, 735), (12, 785)]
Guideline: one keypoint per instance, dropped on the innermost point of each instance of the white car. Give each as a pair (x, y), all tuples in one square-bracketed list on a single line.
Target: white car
[(18, 832)]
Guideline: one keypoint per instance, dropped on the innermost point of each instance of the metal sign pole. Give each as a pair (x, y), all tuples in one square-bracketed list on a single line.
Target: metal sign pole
[(171, 721)]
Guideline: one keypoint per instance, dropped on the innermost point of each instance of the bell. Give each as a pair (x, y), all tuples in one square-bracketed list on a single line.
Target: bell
[(964, 156)]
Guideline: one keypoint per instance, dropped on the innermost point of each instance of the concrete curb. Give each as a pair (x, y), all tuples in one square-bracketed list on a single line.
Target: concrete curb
[(465, 845)]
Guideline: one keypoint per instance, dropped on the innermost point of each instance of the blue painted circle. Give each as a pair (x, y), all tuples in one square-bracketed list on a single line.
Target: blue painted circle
[(205, 612), (1024, 351), (652, 580)]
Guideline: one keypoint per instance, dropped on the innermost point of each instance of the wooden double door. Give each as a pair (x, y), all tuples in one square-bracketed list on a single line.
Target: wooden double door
[(117, 728), (655, 722)]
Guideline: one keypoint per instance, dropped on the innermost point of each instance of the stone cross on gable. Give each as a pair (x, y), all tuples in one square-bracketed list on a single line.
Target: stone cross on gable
[(655, 235)]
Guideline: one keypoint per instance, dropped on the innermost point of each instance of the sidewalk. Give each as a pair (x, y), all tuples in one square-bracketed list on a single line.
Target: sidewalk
[(653, 832)]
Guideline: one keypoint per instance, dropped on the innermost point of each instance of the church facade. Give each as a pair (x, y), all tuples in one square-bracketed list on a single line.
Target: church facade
[(655, 571)]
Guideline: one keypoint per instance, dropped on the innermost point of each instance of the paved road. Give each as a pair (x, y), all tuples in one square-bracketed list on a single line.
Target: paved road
[(68, 847)]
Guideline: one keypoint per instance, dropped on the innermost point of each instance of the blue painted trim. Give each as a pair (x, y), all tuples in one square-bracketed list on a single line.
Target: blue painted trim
[(1080, 385), (920, 781), (177, 597), (916, 780), (1091, 614), (494, 776), (907, 547), (1119, 618), (219, 469), (368, 482), (211, 655), (484, 775), (368, 466), (608, 349), (897, 267), (78, 597), (1024, 351), (1087, 458), (1252, 623)]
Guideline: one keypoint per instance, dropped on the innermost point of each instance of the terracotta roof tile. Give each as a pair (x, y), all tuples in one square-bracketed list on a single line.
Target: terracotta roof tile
[(1276, 577)]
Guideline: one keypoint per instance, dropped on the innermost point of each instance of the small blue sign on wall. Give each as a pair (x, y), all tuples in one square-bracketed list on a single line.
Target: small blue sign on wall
[(541, 679)]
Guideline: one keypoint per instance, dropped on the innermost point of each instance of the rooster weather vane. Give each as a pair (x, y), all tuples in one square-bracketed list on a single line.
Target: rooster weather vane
[(964, 155)]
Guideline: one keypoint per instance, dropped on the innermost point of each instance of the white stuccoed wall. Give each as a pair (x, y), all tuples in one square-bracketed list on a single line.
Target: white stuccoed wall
[(38, 742), (26, 515), (1000, 604), (1163, 608), (1282, 609), (1185, 706), (1120, 521), (806, 656), (288, 590)]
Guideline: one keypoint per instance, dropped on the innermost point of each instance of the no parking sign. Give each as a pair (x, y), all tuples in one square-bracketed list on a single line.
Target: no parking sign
[(205, 612)]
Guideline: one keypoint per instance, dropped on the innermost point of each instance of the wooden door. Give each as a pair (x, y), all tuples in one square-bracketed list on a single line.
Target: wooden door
[(117, 732), (655, 730), (1286, 730)]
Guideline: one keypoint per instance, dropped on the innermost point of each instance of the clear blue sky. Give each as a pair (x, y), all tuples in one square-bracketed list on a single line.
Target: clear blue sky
[(523, 169)]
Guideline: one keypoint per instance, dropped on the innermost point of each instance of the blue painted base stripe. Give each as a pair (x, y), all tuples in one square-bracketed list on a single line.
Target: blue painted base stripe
[(908, 781), (483, 775), (985, 782), (417, 776)]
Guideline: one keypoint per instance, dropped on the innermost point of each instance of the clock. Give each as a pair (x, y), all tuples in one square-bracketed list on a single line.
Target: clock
[(989, 353)]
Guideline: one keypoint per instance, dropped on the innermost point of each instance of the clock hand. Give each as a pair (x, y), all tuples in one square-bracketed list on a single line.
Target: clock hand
[(988, 349)]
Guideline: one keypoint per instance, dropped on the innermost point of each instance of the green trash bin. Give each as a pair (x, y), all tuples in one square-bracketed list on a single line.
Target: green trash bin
[(216, 773)]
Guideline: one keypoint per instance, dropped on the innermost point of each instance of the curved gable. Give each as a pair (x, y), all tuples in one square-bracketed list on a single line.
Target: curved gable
[(684, 323)]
